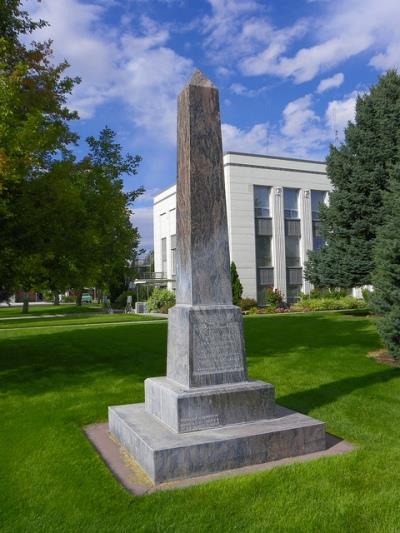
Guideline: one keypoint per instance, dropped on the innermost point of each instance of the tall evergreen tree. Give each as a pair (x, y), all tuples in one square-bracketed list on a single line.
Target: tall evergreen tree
[(237, 287), (386, 279), (359, 171)]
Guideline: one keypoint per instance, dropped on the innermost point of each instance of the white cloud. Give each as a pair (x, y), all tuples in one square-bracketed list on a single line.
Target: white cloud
[(252, 141), (301, 134), (136, 67), (240, 90), (142, 218), (388, 59), (347, 28), (330, 83), (298, 115), (339, 112), (234, 28), (223, 71)]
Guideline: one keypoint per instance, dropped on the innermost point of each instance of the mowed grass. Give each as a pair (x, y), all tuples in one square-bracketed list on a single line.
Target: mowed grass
[(68, 321), (55, 381), (50, 309)]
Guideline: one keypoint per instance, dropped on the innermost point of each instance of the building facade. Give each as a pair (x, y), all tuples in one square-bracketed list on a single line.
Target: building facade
[(273, 221)]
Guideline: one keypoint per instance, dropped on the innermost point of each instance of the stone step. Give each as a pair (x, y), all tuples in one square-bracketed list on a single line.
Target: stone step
[(191, 409), (165, 455)]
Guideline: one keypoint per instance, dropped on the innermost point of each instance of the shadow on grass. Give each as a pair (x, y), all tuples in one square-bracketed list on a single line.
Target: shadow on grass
[(307, 400), (280, 336), (36, 363)]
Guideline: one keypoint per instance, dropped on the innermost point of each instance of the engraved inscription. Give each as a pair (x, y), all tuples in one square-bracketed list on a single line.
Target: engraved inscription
[(196, 422), (217, 348)]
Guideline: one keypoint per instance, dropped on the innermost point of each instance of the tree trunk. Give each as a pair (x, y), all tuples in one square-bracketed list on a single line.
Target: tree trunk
[(25, 305), (56, 298), (79, 298)]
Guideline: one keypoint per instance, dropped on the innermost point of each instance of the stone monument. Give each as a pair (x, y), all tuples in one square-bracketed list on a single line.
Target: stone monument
[(206, 415)]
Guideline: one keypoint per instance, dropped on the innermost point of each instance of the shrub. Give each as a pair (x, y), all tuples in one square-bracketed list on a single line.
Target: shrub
[(247, 303), (48, 296), (69, 299), (329, 304), (120, 302), (161, 300), (273, 297), (317, 294)]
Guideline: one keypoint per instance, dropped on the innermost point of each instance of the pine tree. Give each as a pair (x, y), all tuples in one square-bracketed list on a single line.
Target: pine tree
[(386, 279), (237, 288), (359, 171)]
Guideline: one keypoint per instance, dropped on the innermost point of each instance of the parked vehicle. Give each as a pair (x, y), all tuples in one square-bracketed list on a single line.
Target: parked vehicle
[(87, 298)]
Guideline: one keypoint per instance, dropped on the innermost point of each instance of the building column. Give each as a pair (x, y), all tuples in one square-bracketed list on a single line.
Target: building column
[(278, 233), (306, 232)]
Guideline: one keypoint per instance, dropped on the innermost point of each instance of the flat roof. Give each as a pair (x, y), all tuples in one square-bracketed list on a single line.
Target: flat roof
[(277, 157), (246, 154)]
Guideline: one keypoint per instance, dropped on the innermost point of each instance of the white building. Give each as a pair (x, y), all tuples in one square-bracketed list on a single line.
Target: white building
[(273, 221)]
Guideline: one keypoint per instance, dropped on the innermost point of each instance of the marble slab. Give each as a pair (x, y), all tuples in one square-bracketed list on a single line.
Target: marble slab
[(206, 345), (165, 455), (202, 247), (190, 409)]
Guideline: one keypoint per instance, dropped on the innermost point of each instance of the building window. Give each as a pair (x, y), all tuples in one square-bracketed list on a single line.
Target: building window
[(317, 198), (164, 255), (263, 228), (261, 201), (173, 255), (293, 293), (263, 251), (292, 247), (291, 202), (294, 272)]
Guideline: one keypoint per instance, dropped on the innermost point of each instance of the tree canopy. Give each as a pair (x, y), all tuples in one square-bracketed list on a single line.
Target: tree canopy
[(385, 298), (64, 223), (359, 171)]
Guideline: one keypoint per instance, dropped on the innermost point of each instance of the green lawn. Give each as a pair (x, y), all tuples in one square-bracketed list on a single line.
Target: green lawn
[(43, 309), (55, 380), (73, 320)]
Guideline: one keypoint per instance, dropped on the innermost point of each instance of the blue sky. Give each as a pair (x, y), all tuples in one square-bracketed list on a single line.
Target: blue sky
[(288, 71)]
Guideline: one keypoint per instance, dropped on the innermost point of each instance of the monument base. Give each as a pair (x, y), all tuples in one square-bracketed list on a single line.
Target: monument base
[(165, 455), (183, 409)]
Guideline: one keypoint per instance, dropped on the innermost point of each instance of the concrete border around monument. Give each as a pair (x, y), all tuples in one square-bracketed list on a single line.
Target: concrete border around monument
[(135, 480)]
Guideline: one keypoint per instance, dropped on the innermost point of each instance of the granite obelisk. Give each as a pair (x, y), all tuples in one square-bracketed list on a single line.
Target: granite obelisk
[(206, 415), (205, 337)]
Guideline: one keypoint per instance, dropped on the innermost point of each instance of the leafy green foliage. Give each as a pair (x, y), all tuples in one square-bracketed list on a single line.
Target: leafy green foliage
[(161, 300), (63, 223), (359, 170), (319, 293), (385, 299), (121, 301), (329, 304), (247, 303), (273, 297), (237, 288)]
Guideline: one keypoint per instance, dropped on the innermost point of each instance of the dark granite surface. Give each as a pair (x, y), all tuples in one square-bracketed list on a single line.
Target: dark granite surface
[(202, 264)]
